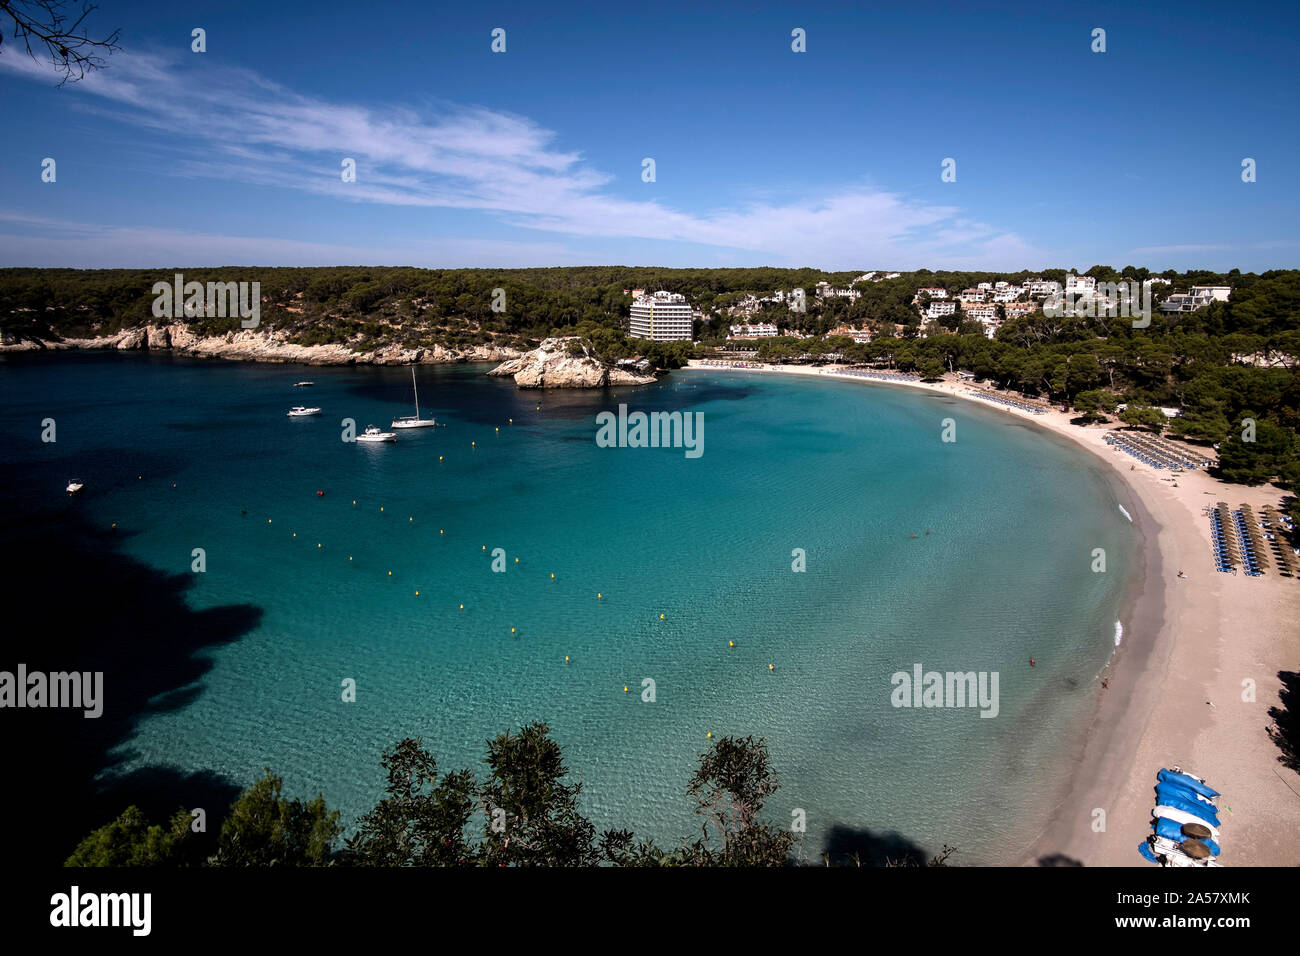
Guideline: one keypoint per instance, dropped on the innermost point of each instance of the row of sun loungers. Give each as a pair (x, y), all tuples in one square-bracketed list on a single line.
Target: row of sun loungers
[(879, 375), (1157, 452), (1223, 541), (1240, 539), (1009, 402), (1249, 553), (716, 364), (1270, 528)]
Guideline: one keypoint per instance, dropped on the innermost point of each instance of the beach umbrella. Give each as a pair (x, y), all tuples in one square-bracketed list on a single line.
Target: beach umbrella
[(1196, 849), (1196, 831)]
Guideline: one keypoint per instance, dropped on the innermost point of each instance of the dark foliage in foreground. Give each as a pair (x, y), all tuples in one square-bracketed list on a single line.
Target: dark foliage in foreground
[(523, 813)]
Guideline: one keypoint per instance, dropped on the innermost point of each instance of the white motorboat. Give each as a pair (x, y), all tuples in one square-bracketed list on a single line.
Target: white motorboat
[(415, 421), (74, 487), (373, 434), (299, 412), (302, 384)]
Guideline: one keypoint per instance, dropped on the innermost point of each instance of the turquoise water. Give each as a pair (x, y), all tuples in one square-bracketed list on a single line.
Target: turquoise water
[(847, 472)]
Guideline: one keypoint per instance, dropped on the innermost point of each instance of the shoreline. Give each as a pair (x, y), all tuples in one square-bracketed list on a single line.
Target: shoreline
[(1186, 642)]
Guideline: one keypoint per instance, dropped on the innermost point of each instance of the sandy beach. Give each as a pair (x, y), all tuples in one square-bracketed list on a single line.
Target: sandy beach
[(1177, 684)]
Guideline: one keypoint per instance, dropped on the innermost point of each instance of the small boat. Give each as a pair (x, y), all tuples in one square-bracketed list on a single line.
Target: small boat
[(415, 421), (302, 384), (1171, 854), (74, 487), (1183, 817), (373, 434), (299, 412)]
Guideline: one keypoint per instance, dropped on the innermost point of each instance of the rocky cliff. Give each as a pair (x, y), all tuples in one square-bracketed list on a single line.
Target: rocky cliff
[(553, 365), (251, 345)]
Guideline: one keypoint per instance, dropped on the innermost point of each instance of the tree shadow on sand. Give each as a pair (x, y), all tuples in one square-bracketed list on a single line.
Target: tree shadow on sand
[(78, 604), (1286, 720)]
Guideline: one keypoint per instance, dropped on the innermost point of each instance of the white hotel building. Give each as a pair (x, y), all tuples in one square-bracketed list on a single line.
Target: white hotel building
[(662, 317)]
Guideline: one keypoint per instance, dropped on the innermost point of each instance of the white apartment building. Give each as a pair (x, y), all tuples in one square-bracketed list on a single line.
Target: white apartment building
[(1042, 287), (1080, 285), (983, 313), (985, 287), (1001, 285), (1020, 308), (972, 295), (662, 317), (1198, 298), (935, 309), (1009, 294), (761, 330), (933, 293)]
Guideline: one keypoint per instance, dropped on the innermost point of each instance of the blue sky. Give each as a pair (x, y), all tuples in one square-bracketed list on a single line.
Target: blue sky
[(829, 158)]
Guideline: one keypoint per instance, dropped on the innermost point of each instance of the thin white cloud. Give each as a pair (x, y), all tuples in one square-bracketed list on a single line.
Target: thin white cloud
[(216, 121)]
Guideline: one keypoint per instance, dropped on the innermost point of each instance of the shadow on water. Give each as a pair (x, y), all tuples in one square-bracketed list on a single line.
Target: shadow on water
[(78, 604), (846, 846)]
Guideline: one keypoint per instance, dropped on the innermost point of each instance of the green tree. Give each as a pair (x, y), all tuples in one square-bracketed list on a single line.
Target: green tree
[(131, 841), (266, 829), (421, 821), (539, 823)]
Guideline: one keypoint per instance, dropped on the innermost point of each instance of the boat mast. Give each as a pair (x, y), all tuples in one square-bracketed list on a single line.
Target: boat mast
[(417, 393)]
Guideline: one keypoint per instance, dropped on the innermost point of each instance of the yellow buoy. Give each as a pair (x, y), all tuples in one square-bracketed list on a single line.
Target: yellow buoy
[(268, 520), (390, 574), (462, 607), (440, 458), (473, 444), (552, 575), (354, 502), (417, 593), (625, 690), (485, 547), (516, 560), (349, 557), (412, 518), (318, 544), (114, 524), (498, 429), (661, 617), (441, 531), (731, 643), (512, 630), (381, 507), (770, 667), (598, 595), (566, 658), (709, 735), (512, 421), (295, 534)]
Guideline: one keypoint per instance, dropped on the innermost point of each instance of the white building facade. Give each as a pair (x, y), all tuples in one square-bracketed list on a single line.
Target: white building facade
[(662, 317)]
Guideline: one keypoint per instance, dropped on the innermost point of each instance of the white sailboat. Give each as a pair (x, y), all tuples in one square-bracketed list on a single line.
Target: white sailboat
[(415, 421), (299, 411)]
